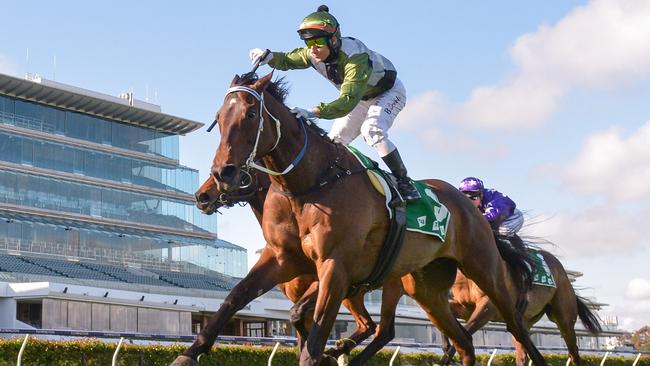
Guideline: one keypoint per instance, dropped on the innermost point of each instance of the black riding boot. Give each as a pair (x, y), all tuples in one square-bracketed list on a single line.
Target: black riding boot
[(404, 184)]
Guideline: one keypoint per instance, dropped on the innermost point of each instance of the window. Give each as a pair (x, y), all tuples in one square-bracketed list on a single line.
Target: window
[(255, 329), (30, 313)]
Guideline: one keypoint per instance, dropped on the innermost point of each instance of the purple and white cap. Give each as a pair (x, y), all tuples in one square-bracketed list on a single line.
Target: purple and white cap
[(471, 184)]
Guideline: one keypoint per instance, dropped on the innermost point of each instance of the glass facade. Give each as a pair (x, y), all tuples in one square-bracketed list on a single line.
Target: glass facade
[(223, 258), (70, 159), (88, 128), (92, 169)]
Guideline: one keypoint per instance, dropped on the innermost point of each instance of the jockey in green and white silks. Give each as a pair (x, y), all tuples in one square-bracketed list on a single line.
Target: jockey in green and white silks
[(370, 95)]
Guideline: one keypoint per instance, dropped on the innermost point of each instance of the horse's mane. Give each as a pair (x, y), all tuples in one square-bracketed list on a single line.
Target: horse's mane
[(278, 89)]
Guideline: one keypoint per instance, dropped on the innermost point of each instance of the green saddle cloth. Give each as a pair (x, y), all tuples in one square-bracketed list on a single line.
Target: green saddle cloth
[(542, 275), (426, 215)]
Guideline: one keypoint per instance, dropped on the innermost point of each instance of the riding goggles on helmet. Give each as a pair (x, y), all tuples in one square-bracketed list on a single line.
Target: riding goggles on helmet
[(318, 42)]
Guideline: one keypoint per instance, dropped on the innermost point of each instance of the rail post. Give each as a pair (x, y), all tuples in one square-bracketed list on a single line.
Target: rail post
[(19, 362), (568, 361), (392, 359), (117, 351), (602, 362), (636, 359), (491, 357), (275, 348)]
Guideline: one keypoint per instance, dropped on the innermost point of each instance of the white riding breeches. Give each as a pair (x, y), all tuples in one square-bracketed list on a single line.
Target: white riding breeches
[(512, 224), (372, 118)]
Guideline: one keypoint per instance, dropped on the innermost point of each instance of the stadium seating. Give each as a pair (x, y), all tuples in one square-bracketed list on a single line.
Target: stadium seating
[(106, 272)]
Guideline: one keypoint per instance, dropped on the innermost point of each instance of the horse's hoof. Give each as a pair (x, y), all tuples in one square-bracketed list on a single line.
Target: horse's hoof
[(333, 352), (184, 361), (343, 360)]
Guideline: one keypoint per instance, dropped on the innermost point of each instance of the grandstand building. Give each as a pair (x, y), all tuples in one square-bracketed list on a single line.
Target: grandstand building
[(98, 229), (91, 187)]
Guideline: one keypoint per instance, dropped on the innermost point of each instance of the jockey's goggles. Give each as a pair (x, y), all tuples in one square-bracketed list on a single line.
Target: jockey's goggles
[(318, 42), (473, 195)]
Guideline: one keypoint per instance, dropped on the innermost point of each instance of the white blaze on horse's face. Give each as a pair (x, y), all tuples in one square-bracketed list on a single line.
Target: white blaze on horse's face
[(238, 119)]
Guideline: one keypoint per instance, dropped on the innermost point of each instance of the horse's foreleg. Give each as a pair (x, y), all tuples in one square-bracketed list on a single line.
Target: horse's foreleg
[(391, 293), (264, 276), (301, 314), (365, 326), (483, 312), (332, 286)]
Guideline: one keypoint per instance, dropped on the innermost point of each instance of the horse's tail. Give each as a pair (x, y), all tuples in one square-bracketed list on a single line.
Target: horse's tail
[(589, 318), (520, 265)]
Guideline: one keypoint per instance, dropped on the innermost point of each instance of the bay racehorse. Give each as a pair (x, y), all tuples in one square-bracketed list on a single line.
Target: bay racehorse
[(560, 304), (209, 199), (338, 222)]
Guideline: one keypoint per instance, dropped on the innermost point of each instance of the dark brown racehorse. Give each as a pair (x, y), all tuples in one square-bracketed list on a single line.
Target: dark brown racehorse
[(209, 200), (340, 224), (560, 304)]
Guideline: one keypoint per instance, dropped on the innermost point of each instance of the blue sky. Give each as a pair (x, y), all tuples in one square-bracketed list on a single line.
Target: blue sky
[(546, 101)]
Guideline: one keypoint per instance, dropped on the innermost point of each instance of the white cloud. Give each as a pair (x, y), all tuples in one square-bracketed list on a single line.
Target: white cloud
[(439, 140), (638, 289), (601, 45), (612, 165), (7, 66), (597, 231), (424, 111)]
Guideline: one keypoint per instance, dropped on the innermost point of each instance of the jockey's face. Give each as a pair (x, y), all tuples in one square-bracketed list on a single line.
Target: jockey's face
[(320, 53), (475, 197)]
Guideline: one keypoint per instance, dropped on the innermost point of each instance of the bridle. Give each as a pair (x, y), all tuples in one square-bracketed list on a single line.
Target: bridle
[(250, 162)]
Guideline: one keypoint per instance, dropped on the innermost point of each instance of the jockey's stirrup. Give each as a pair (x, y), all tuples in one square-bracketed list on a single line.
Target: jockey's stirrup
[(405, 186)]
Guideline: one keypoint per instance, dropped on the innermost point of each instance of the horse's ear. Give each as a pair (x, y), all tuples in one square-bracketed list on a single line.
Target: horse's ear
[(261, 84), (235, 80)]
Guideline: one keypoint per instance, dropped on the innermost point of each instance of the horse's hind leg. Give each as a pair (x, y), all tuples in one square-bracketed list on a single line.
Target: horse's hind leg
[(503, 300), (391, 293), (502, 289), (429, 286), (564, 313), (266, 274)]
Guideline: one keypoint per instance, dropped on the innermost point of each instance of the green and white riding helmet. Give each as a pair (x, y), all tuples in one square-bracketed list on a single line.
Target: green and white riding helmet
[(319, 24)]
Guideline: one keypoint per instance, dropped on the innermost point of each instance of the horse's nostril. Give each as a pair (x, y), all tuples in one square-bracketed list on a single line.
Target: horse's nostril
[(203, 198)]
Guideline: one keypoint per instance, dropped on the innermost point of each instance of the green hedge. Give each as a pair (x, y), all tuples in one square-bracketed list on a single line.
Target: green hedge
[(95, 353)]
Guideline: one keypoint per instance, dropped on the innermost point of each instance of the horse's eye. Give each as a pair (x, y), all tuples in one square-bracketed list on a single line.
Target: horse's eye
[(250, 114)]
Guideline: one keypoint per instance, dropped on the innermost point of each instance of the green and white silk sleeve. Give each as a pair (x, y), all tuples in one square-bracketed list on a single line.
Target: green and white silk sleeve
[(296, 59), (357, 70)]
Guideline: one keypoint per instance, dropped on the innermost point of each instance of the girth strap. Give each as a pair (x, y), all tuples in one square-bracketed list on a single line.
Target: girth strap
[(389, 251)]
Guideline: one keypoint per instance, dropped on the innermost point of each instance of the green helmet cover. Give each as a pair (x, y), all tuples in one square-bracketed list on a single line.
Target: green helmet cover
[(319, 24)]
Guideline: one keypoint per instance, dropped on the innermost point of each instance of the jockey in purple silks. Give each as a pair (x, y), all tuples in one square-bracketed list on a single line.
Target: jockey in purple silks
[(500, 211)]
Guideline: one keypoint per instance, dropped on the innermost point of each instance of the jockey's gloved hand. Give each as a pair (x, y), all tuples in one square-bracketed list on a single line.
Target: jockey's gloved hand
[(304, 113), (257, 53)]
